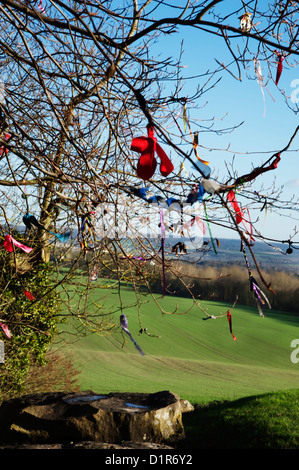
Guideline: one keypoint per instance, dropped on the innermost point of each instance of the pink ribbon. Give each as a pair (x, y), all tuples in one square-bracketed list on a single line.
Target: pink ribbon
[(163, 249), (9, 241), (5, 329), (199, 222)]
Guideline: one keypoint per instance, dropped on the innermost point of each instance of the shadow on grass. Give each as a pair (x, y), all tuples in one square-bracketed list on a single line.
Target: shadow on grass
[(259, 422)]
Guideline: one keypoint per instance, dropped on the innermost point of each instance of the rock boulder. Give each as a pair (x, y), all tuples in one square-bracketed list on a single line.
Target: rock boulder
[(87, 416)]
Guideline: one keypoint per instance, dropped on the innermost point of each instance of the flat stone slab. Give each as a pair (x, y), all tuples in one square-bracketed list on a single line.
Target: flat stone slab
[(90, 417), (88, 445)]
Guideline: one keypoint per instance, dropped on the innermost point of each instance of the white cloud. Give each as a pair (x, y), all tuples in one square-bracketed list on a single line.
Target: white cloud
[(292, 183)]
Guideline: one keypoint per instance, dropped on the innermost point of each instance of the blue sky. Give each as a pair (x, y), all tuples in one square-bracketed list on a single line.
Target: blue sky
[(261, 135)]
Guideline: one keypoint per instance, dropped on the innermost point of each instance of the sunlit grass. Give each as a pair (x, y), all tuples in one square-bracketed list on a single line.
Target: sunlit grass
[(199, 360)]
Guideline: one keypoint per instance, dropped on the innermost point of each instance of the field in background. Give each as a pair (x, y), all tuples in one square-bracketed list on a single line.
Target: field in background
[(197, 359)]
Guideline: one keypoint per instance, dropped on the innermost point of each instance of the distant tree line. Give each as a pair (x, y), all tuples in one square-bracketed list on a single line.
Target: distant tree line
[(226, 282)]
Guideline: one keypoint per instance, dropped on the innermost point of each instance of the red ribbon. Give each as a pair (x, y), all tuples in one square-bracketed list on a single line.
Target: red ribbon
[(147, 163), (3, 148), (257, 171), (232, 199), (279, 67), (240, 214), (41, 7), (229, 318), (29, 295)]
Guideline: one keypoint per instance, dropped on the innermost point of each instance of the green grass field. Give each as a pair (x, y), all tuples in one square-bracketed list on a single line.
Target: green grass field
[(196, 359)]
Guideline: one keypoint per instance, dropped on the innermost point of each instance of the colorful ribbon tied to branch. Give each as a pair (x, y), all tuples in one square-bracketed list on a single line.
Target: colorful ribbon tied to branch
[(9, 241), (258, 171), (87, 222), (124, 325), (232, 199), (261, 298), (210, 186), (194, 138), (240, 214), (260, 79), (40, 6), (5, 329), (29, 295), (147, 147), (229, 318), (163, 248), (196, 194), (201, 165), (31, 221), (4, 149), (279, 67), (195, 219), (140, 192)]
